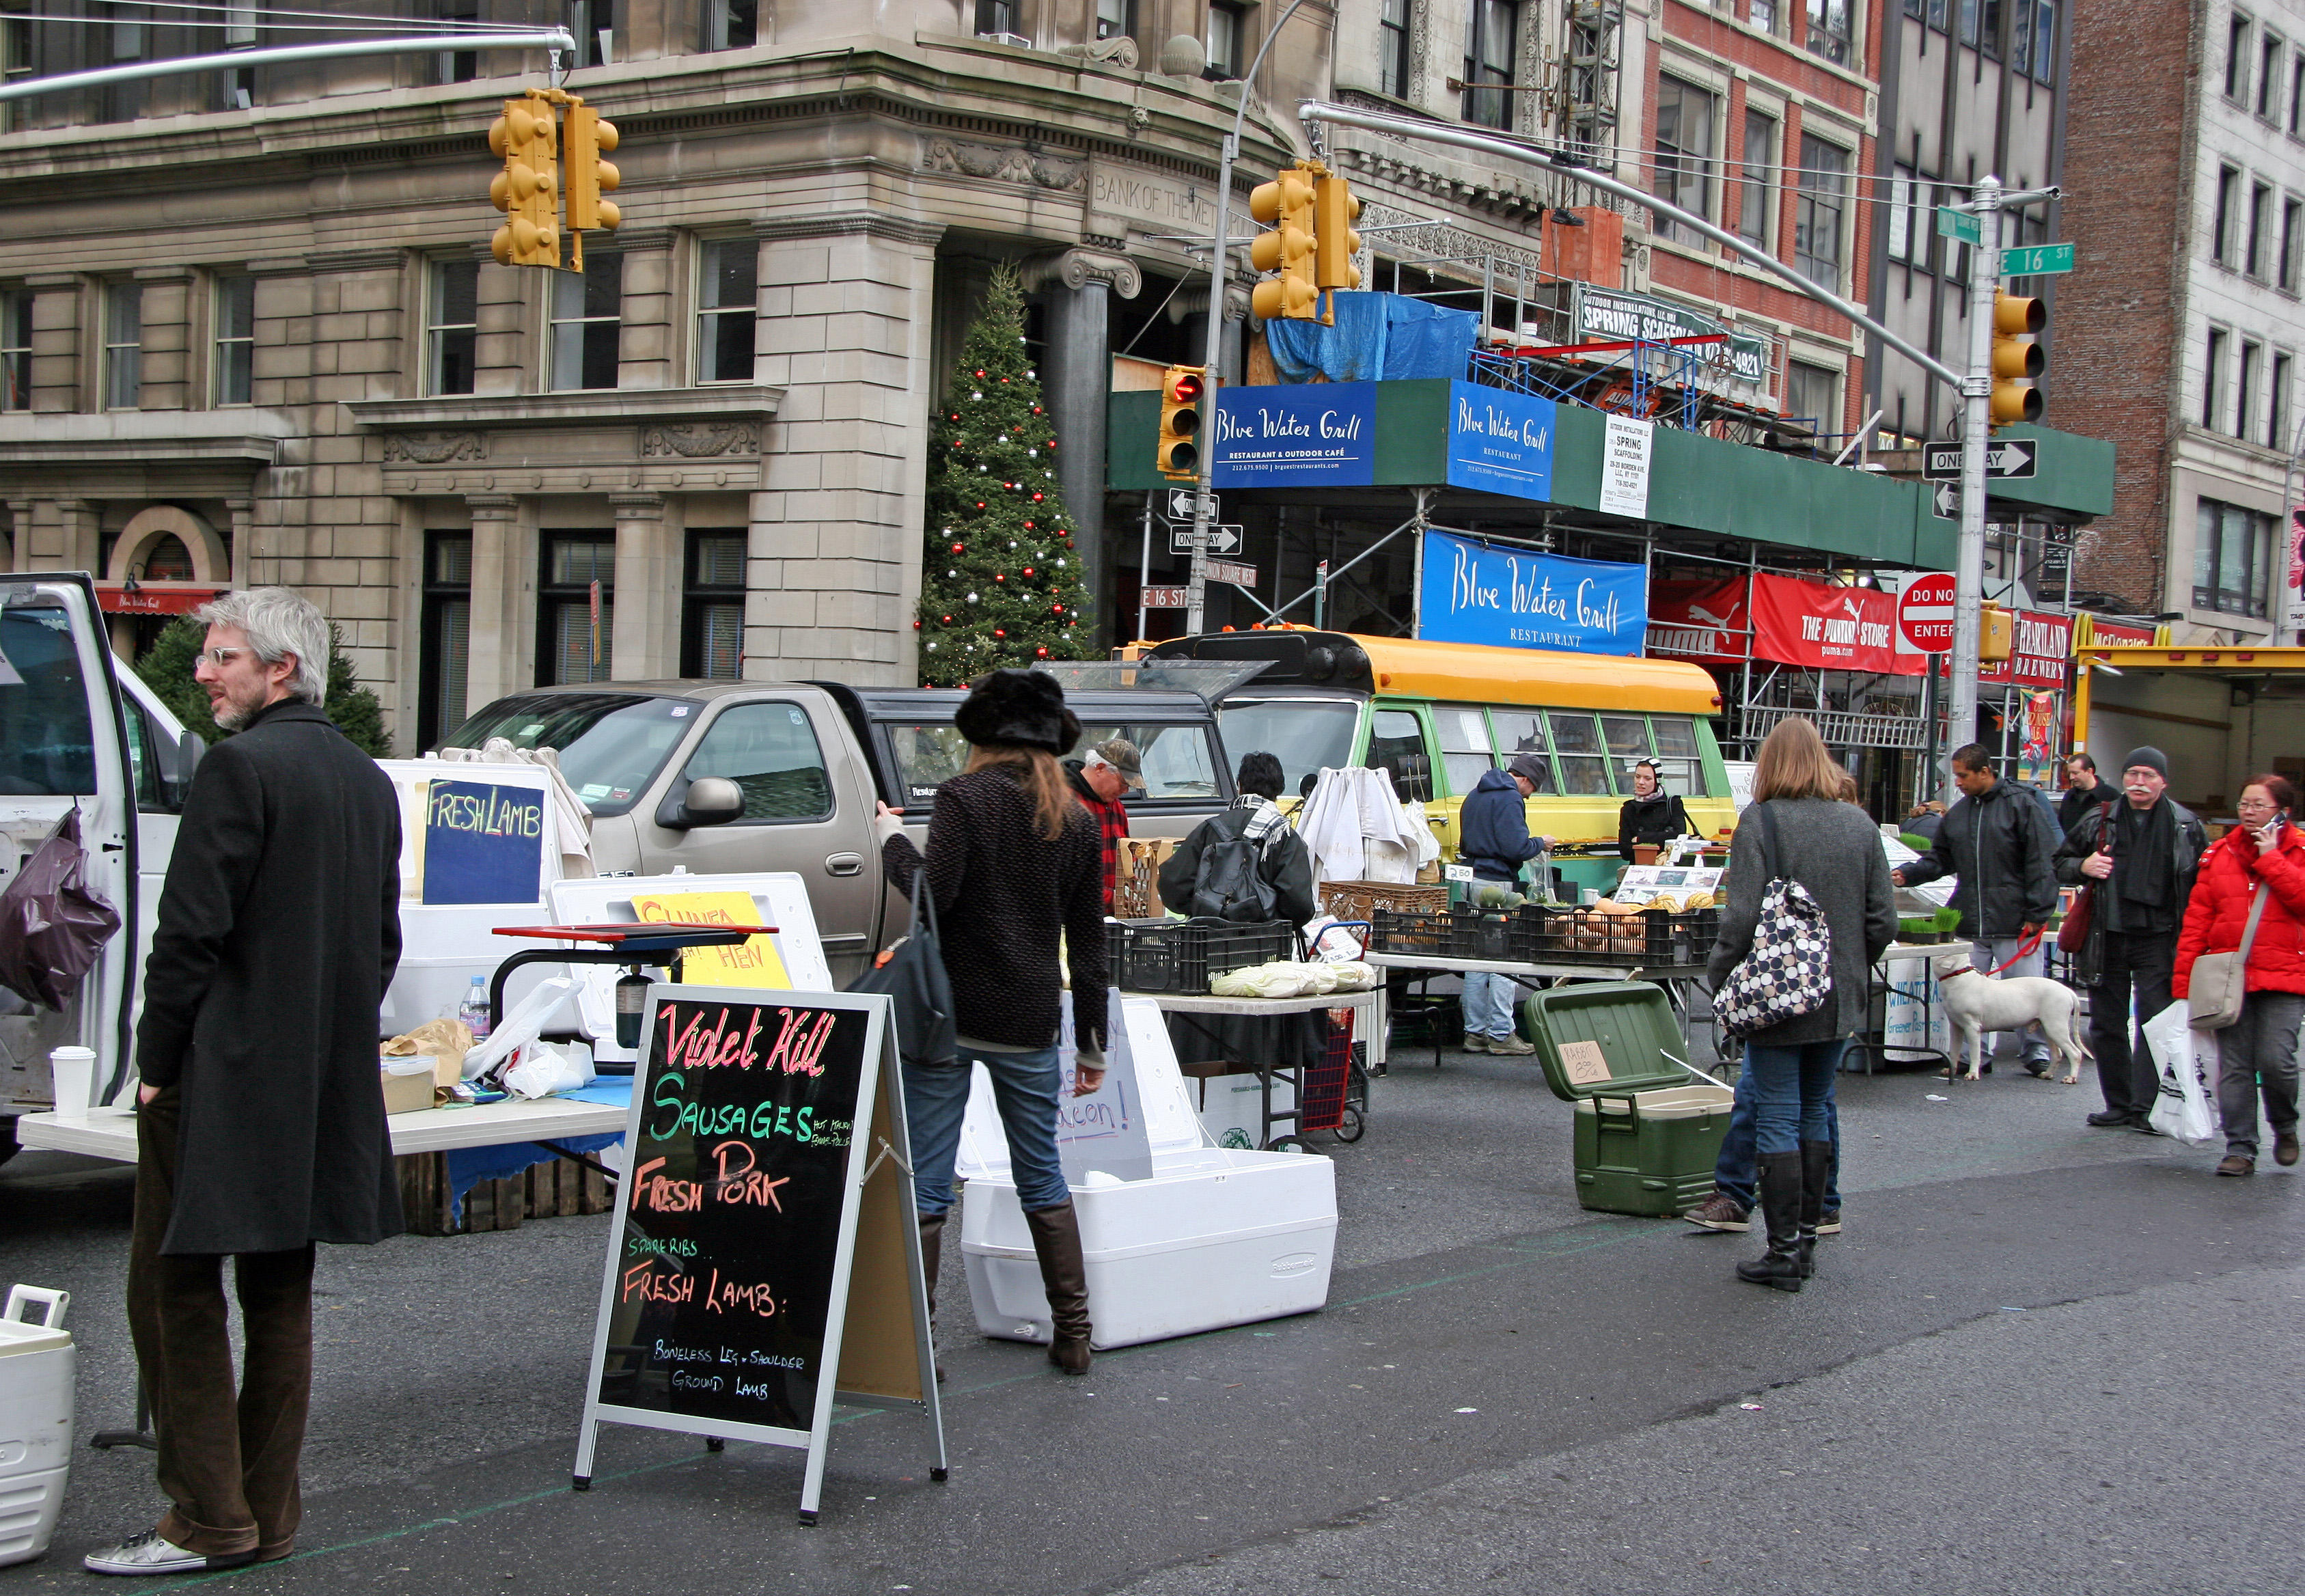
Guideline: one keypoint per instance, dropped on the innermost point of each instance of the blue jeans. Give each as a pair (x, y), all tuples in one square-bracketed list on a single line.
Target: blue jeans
[(1792, 1093), (1489, 1004), (1025, 1085), (1737, 1174)]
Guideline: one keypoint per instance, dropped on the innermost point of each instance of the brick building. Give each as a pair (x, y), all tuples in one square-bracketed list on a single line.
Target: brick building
[(2180, 329)]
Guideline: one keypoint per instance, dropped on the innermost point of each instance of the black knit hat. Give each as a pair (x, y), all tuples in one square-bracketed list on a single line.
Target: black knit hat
[(1022, 707)]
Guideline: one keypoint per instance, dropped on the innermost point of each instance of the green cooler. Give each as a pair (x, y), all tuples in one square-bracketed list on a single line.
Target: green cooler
[(1648, 1131)]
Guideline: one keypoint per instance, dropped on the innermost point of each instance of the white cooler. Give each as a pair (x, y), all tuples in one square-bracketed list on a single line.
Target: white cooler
[(36, 1420), (1217, 1237)]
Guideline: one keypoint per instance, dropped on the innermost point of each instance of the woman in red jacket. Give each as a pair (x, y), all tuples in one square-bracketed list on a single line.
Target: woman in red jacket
[(2265, 852)]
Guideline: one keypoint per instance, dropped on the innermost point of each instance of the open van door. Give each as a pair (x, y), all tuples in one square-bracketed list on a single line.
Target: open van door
[(64, 743)]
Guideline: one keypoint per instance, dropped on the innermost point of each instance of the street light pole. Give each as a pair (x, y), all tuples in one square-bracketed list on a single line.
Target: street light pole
[(1212, 379), (1976, 421), (553, 39)]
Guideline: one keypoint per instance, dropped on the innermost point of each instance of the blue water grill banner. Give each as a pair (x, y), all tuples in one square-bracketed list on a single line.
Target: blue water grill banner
[(1499, 442), (1472, 593), (1316, 435)]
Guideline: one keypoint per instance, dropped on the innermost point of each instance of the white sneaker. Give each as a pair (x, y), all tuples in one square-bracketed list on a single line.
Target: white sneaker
[(148, 1553), (1475, 1042), (1510, 1045)]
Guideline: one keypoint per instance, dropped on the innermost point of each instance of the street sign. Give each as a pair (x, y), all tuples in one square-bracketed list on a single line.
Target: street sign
[(1233, 572), (1959, 224), (1222, 539), (1168, 598), (2006, 459), (1925, 613), (1945, 503), (1181, 507), (2036, 260)]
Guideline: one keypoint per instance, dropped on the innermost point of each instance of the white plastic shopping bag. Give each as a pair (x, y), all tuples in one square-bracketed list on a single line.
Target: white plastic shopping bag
[(2187, 1106), (523, 1024)]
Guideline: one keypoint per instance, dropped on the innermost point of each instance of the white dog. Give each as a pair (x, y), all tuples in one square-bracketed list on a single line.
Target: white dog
[(1976, 1003)]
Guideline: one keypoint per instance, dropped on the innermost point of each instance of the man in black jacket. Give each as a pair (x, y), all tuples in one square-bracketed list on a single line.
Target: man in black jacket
[(2138, 864), (261, 1127), (1284, 864), (1999, 840), (2084, 791)]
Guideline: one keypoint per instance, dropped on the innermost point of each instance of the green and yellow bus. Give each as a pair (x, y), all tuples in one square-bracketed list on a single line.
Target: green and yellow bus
[(1438, 715)]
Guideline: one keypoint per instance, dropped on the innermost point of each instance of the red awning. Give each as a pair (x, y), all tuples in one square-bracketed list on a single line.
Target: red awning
[(154, 598)]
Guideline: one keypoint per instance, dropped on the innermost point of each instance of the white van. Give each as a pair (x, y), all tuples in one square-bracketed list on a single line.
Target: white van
[(76, 728)]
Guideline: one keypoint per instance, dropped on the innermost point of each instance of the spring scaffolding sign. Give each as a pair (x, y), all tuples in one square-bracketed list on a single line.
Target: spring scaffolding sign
[(1607, 313)]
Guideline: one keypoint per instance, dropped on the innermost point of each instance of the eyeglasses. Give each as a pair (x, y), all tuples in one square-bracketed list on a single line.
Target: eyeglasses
[(2256, 803), (221, 657)]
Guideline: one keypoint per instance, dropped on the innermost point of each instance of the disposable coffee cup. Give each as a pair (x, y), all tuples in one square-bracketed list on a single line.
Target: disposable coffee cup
[(73, 1070), (1591, 894)]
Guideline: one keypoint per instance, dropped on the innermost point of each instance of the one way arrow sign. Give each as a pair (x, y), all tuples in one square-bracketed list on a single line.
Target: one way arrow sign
[(2008, 459), (1946, 501), (1222, 539)]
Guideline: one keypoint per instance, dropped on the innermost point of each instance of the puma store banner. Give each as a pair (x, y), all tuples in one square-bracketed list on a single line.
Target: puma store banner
[(1788, 621)]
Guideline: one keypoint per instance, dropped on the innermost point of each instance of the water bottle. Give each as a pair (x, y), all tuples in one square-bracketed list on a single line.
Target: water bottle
[(475, 1010)]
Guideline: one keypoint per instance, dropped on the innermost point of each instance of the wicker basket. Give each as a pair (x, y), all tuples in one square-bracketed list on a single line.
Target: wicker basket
[(1360, 900)]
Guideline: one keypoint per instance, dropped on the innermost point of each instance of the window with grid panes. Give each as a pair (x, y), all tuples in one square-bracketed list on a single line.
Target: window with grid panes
[(1817, 213), (15, 350), (1901, 213), (1465, 753), (444, 669), (2220, 221), (1522, 731), (1115, 18), (2044, 41), (569, 646), (2268, 79), (123, 345), (1226, 43), (1684, 150), (1828, 31), (2232, 558), (2252, 355), (1755, 186), (2276, 405), (1392, 48), (452, 312), (727, 303), (731, 25), (1578, 753), (1492, 28), (713, 604), (2213, 379), (1679, 762), (2237, 57), (2261, 228), (236, 340), (587, 321)]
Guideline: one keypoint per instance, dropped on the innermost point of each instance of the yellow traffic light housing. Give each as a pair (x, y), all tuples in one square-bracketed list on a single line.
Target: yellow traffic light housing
[(1335, 209), (1285, 205), (587, 139), (2017, 358), (1178, 453), (527, 190)]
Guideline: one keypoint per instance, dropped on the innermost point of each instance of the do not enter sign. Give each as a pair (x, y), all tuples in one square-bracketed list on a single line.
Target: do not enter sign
[(1925, 616)]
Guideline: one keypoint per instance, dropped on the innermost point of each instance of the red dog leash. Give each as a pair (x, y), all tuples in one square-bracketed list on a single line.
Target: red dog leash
[(2024, 951)]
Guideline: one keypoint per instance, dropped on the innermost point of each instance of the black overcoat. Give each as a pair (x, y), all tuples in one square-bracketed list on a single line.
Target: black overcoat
[(279, 931)]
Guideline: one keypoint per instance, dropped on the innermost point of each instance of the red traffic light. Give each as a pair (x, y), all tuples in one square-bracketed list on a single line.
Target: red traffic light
[(1186, 389)]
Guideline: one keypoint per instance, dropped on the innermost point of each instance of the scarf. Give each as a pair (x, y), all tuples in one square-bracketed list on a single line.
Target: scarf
[(2143, 862), (1265, 822)]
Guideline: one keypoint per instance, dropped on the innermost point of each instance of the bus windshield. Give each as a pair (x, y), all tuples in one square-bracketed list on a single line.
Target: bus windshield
[(1305, 734)]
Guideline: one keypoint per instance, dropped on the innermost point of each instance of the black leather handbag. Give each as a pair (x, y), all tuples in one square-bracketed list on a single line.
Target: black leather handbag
[(913, 973)]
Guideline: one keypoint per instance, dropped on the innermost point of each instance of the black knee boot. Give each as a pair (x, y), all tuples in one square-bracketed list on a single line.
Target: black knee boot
[(1815, 1169), (1781, 1205)]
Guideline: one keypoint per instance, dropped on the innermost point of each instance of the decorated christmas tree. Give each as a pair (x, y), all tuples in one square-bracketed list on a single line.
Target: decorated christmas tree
[(1000, 581)]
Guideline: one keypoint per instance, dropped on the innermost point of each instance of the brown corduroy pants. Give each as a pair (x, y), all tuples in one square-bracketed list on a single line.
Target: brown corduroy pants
[(227, 1461)]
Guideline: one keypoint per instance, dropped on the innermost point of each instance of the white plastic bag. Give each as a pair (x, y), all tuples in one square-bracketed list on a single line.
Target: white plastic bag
[(546, 1067), (2186, 1108), (523, 1024)]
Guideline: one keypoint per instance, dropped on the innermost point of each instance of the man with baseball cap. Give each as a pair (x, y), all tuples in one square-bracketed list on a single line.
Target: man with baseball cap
[(1492, 837), (1104, 772), (2138, 856)]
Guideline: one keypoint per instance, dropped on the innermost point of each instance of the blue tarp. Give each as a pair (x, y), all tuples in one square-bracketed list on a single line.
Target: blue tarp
[(470, 1165), (1378, 337)]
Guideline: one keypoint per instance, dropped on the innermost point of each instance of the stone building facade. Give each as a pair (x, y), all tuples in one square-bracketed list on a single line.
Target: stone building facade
[(2181, 325)]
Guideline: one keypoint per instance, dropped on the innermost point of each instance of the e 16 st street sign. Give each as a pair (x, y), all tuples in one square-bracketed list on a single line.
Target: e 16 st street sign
[(1167, 599), (2036, 260), (2006, 459)]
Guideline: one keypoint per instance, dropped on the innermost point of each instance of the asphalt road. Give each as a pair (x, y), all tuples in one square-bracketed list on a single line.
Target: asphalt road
[(2042, 1358)]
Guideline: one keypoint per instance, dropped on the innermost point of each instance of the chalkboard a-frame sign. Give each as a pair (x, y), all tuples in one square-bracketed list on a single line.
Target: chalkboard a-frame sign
[(765, 1258)]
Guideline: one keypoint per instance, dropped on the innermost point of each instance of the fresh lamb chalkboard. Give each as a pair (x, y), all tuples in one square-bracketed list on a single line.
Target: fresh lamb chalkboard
[(728, 1303)]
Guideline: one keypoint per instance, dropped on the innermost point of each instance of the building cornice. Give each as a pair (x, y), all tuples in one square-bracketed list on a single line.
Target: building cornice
[(238, 438), (486, 413)]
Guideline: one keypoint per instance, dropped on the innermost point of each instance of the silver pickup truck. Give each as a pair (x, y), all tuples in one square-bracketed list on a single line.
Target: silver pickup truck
[(728, 777)]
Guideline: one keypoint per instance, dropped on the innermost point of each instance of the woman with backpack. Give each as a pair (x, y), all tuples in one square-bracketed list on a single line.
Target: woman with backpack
[(1797, 830), (1246, 864)]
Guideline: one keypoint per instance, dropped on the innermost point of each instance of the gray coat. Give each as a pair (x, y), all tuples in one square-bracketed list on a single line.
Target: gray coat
[(1834, 851), (279, 931)]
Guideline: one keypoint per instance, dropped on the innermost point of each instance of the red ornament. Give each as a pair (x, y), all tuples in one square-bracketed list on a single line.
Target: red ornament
[(1000, 631), (957, 548), (1004, 380), (1036, 410), (1028, 526), (1000, 576), (1028, 571), (946, 619), (980, 504), (980, 374), (916, 625), (1052, 443), (1054, 609), (1036, 498), (1042, 652), (955, 415)]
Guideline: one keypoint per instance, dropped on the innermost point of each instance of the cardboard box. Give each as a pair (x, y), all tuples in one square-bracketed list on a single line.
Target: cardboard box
[(1136, 869), (406, 1094)]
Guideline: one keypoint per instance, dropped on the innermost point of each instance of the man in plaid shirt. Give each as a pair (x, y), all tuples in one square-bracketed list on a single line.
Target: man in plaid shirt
[(1100, 776)]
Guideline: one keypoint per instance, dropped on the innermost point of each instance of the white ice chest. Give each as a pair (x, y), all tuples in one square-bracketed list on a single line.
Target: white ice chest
[(1217, 1236)]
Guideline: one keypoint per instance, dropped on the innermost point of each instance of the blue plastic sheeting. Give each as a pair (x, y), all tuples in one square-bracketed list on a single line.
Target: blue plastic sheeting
[(470, 1165), (1378, 337)]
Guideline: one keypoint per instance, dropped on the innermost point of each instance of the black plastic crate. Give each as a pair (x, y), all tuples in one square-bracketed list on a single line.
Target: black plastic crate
[(1444, 933), (1585, 935), (1180, 955)]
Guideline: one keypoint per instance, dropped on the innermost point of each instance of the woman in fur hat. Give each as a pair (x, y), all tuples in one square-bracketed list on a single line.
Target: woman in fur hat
[(1014, 862)]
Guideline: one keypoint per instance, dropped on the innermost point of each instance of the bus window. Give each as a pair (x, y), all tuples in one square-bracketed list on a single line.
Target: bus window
[(1306, 735), (1628, 737), (1522, 731), (1464, 745), (1577, 749), (1397, 743), (1681, 765)]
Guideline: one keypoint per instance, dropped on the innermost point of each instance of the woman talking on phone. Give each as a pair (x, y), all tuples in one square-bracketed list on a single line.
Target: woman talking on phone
[(2266, 852)]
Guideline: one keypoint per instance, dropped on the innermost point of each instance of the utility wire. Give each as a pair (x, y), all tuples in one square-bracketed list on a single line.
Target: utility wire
[(249, 16)]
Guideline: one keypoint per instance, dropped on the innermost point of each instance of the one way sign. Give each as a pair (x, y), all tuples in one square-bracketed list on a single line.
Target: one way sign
[(2007, 459), (1222, 539), (1946, 501)]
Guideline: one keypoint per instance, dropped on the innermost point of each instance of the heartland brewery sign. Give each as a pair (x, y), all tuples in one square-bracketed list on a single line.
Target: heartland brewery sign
[(1604, 313)]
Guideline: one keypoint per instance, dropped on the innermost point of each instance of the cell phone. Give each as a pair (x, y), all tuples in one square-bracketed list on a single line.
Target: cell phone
[(2272, 827)]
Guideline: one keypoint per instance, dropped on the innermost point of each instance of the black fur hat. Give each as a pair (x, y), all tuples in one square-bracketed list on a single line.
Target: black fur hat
[(1025, 707)]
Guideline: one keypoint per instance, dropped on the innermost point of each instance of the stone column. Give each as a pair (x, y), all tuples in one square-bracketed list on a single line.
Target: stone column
[(78, 528), (20, 535), (504, 590), (646, 626), (1076, 285), (243, 539)]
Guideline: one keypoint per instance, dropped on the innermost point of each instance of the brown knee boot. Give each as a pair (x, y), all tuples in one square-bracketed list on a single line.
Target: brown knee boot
[(931, 1260), (1064, 1275)]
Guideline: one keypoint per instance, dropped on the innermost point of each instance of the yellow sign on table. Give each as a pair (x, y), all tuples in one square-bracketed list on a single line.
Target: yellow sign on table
[(753, 963)]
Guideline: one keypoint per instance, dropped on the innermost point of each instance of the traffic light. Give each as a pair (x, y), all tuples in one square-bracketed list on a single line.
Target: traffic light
[(1178, 453), (588, 138), (2017, 358), (1285, 205), (1335, 209), (527, 190)]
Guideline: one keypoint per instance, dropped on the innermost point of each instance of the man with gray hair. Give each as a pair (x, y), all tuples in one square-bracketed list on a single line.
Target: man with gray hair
[(260, 1128)]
